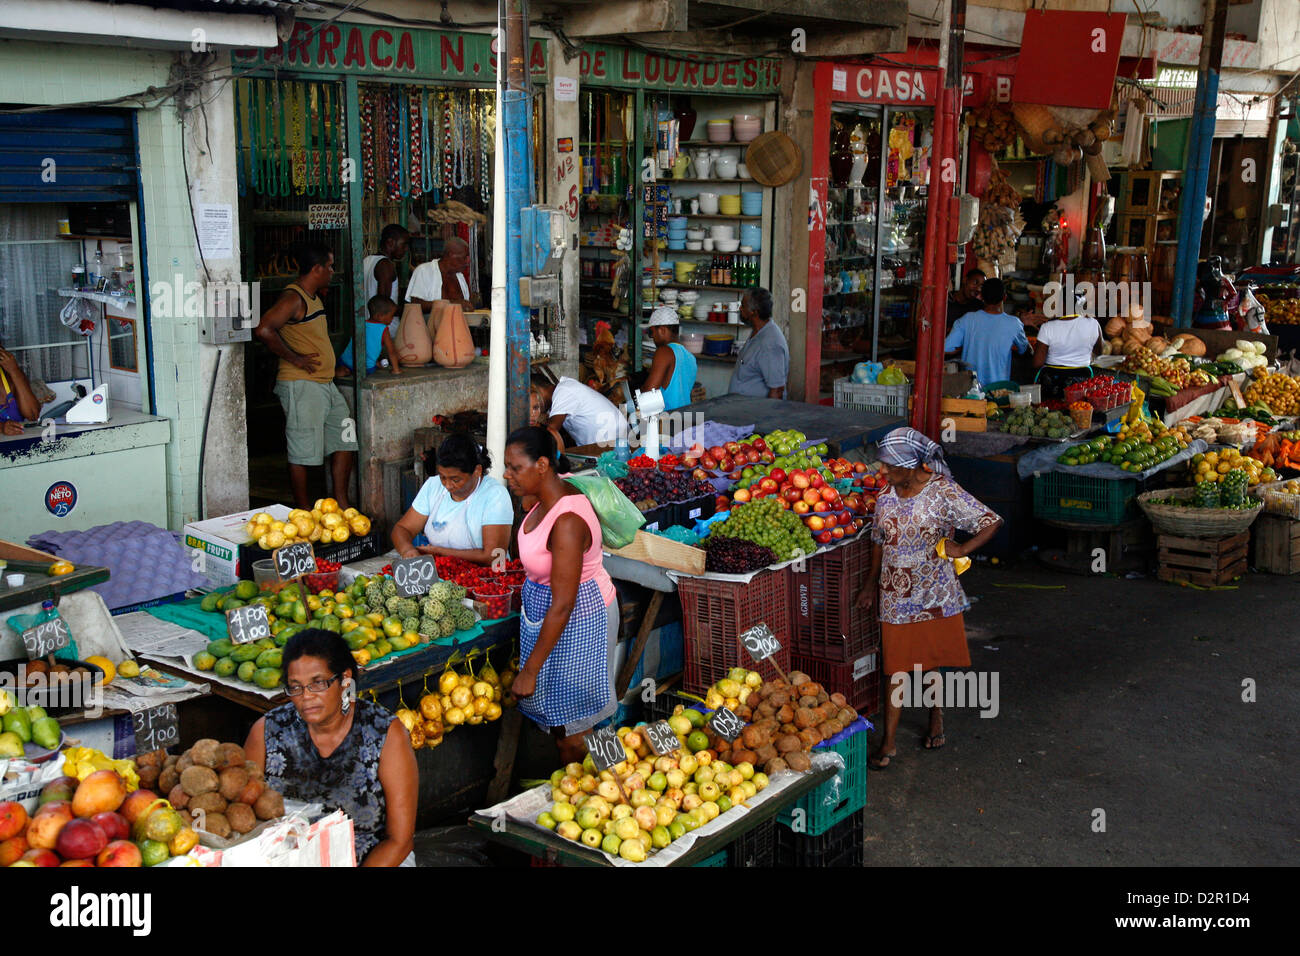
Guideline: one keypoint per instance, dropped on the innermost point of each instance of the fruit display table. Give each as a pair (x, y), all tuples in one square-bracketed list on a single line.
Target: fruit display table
[(842, 429), (557, 850), (38, 584)]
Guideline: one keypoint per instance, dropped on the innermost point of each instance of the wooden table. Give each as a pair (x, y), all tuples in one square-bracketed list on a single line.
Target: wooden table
[(556, 849), (39, 586)]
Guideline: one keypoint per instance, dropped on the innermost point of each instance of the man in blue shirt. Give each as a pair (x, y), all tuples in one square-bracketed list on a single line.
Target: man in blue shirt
[(764, 363), (987, 337)]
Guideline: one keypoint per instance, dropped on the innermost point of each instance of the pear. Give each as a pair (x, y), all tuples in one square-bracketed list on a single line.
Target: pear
[(11, 745), (46, 733)]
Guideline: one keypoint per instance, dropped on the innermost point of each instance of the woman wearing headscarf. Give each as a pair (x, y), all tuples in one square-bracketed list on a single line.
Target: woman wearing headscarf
[(920, 602)]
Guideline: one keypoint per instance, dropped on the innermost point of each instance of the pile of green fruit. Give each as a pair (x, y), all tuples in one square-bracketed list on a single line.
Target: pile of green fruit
[(1230, 493), (25, 725), (766, 523), (1131, 454), (1038, 422)]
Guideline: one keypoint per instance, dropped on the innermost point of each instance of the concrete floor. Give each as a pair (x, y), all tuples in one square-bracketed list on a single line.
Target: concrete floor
[(1118, 695)]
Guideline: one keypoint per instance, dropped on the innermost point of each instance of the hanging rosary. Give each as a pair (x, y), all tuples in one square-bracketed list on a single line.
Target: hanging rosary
[(381, 145), (297, 143), (414, 98), (487, 173), (394, 170), (449, 120), (368, 142), (404, 148), (429, 168)]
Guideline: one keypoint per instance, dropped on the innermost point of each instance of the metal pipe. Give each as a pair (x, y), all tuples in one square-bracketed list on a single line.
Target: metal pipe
[(1191, 210), (516, 122), (498, 356)]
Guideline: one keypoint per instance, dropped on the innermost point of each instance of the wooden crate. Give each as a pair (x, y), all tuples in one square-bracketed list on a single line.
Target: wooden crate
[(967, 414), (664, 553), (1205, 561), (1277, 544)]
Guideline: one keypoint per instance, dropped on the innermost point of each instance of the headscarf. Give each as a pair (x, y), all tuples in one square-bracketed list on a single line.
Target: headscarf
[(908, 448)]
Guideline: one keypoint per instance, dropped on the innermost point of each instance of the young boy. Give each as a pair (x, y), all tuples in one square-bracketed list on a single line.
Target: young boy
[(379, 341)]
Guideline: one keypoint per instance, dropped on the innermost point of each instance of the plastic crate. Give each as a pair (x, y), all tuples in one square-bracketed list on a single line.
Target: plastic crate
[(701, 508), (755, 848), (841, 845), (858, 680), (1083, 499), (718, 859), (848, 788), (663, 704), (885, 399), (714, 613), (824, 622)]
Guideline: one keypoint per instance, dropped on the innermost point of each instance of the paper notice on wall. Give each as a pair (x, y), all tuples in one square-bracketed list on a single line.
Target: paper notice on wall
[(839, 81), (566, 89), (216, 222)]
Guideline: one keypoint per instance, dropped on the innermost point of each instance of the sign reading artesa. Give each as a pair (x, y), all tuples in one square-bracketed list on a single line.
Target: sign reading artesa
[(357, 48)]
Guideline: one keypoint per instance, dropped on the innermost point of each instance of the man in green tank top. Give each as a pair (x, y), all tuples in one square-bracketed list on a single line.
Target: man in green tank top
[(317, 419)]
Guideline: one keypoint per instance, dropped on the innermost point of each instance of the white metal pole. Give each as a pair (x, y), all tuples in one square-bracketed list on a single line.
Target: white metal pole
[(498, 357)]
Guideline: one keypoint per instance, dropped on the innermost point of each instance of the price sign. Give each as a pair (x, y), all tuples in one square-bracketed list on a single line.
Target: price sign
[(248, 624), (157, 728), (760, 642), (294, 560), (726, 724), (661, 738), (605, 748), (46, 638), (414, 576)]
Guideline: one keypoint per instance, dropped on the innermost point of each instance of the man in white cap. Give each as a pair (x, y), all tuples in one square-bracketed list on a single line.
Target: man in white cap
[(673, 368)]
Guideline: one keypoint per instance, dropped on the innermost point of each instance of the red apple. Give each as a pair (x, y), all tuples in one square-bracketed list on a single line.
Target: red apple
[(760, 444), (779, 474), (40, 857), (732, 447), (812, 496), (859, 467), (753, 457), (791, 495), (822, 507), (699, 474), (120, 853), (816, 480), (832, 520), (824, 537), (690, 461), (769, 485), (114, 825), (768, 457), (696, 450), (717, 451), (735, 475), (759, 494), (837, 532), (741, 495), (709, 461), (800, 507), (829, 494), (799, 479), (858, 524), (725, 463), (723, 503), (785, 505), (815, 522), (13, 817)]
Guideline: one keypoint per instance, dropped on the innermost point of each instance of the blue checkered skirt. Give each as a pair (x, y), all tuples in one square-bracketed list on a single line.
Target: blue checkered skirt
[(575, 688)]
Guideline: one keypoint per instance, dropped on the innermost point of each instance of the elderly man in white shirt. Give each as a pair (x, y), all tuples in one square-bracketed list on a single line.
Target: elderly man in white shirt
[(442, 278)]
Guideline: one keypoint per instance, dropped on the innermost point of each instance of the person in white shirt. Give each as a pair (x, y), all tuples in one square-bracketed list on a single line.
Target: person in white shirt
[(442, 278), (379, 272), (588, 416), (1065, 350)]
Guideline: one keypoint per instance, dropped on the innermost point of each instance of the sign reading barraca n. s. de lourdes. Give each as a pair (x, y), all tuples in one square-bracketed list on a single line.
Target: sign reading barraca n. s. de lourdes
[(388, 51), (609, 65)]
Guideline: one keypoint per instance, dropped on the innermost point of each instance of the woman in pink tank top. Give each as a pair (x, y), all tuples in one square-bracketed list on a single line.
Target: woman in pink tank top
[(569, 622)]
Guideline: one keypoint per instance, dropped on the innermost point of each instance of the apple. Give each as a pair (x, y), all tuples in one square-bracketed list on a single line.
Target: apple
[(823, 507), (747, 472), (829, 493), (760, 444), (859, 467), (816, 480), (785, 505), (756, 457), (791, 495), (699, 474), (838, 532), (708, 461), (741, 495), (824, 537), (831, 520), (812, 496), (734, 475), (696, 450), (779, 474), (759, 494), (725, 463), (40, 858), (717, 451), (769, 485), (815, 522), (800, 507), (732, 447), (722, 503)]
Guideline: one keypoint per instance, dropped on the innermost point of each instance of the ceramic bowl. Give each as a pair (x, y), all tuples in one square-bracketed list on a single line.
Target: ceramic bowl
[(722, 232), (726, 245), (746, 127), (719, 131)]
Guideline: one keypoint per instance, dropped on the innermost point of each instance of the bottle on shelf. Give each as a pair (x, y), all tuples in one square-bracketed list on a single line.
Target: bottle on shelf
[(726, 270), (715, 272)]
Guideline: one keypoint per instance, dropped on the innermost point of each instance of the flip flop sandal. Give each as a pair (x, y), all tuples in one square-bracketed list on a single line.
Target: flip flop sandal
[(930, 742), (875, 763)]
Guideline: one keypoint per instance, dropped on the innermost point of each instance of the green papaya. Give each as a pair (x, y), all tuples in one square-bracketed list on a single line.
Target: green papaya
[(331, 623), (269, 658), (224, 667), (265, 644), (244, 653), (205, 661), (267, 677), (246, 671), (230, 603), (356, 640), (284, 609), (17, 722), (246, 590), (210, 601), (35, 713), (221, 648)]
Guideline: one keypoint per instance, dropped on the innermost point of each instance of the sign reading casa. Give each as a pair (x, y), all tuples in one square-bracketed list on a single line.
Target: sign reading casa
[(356, 48), (882, 84)]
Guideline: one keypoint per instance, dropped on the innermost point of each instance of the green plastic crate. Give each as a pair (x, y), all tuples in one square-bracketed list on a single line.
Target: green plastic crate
[(818, 815), (718, 859), (1101, 501)]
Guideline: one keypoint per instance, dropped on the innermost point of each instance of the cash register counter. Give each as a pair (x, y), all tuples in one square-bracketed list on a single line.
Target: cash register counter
[(81, 476)]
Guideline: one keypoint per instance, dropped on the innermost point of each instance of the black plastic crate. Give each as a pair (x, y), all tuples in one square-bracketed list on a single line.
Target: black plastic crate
[(661, 708), (686, 513), (840, 846), (755, 848)]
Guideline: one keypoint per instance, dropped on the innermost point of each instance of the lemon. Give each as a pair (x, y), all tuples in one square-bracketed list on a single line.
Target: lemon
[(104, 664), (275, 540)]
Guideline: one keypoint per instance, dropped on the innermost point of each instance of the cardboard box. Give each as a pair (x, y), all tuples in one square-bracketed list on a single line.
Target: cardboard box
[(220, 541)]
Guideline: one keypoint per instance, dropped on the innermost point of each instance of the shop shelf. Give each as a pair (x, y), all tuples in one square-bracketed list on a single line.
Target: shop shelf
[(714, 613), (883, 399), (840, 846), (841, 797), (1083, 499), (825, 623), (858, 680)]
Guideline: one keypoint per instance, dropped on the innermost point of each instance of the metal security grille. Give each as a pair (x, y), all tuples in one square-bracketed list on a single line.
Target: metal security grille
[(68, 156)]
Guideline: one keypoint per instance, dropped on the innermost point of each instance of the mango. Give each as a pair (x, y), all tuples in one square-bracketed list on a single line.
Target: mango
[(246, 671), (17, 722), (265, 644), (225, 667), (267, 677)]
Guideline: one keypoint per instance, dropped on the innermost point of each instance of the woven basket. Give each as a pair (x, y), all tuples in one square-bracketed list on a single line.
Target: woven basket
[(1195, 522)]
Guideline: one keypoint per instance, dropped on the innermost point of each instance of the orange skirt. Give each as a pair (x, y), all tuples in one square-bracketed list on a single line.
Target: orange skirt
[(939, 642)]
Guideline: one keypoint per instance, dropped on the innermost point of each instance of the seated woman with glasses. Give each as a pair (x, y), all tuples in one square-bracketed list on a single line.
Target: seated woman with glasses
[(327, 746), (463, 511)]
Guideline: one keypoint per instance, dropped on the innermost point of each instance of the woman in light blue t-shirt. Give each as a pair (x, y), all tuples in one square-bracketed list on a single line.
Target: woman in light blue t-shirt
[(464, 512)]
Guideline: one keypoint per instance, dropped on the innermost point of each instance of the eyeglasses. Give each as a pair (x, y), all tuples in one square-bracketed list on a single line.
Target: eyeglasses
[(316, 686)]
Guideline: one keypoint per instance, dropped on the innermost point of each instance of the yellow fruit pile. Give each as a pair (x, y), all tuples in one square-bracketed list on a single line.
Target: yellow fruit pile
[(324, 524), (1280, 311), (1215, 465), (81, 762), (467, 698), (1280, 392)]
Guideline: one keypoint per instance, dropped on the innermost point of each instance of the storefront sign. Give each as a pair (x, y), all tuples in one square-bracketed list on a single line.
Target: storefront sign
[(902, 86), (388, 51), (601, 65), (327, 215), (1068, 58), (61, 498)]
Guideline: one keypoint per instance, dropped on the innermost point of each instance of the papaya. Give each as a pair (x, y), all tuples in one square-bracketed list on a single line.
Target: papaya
[(356, 640), (246, 671), (17, 722), (220, 648), (267, 677), (205, 661), (245, 652), (209, 602), (246, 590), (265, 644), (331, 623), (225, 666), (229, 603), (284, 609), (268, 659)]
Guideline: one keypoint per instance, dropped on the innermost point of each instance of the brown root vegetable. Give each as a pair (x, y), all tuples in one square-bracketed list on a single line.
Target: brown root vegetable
[(184, 762), (204, 752), (168, 779), (798, 678), (804, 718), (808, 702), (150, 759), (811, 737), (753, 737), (788, 743), (846, 716), (178, 798), (765, 709), (217, 824), (839, 700), (799, 761), (779, 699), (233, 781), (269, 805), (766, 753), (825, 729), (149, 777), (241, 817), (199, 779), (823, 697), (744, 756), (208, 802), (810, 689), (254, 771), (789, 729), (835, 726), (744, 713), (230, 755), (786, 714), (775, 765)]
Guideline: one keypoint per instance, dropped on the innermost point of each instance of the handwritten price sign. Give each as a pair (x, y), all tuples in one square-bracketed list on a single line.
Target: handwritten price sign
[(414, 576), (726, 724), (605, 748), (156, 728), (760, 642), (294, 560), (46, 638), (248, 624), (661, 738)]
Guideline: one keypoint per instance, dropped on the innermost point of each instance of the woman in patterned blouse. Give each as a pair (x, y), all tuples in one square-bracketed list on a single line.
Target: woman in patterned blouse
[(920, 601), (327, 746)]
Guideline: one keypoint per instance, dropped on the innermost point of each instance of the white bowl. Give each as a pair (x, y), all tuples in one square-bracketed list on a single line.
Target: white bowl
[(726, 245), (709, 204), (694, 245), (695, 233), (725, 233)]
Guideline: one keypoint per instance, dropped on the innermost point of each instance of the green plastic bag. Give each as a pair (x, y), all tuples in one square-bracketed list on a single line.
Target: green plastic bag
[(619, 518)]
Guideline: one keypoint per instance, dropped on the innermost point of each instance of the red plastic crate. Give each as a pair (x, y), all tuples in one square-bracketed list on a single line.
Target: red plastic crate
[(858, 680), (714, 613), (825, 623)]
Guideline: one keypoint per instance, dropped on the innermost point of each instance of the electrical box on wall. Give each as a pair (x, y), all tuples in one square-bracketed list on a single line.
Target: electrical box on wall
[(538, 292), (542, 229), (231, 310)]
